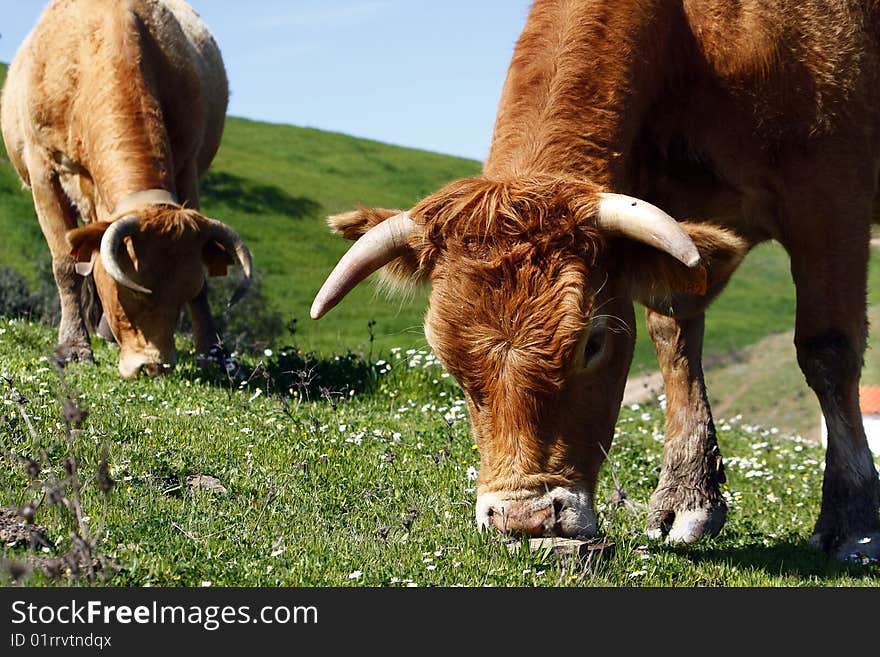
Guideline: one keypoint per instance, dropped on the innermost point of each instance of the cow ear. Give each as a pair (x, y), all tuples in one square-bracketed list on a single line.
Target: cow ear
[(85, 243), (352, 225), (662, 283), (402, 273), (216, 258)]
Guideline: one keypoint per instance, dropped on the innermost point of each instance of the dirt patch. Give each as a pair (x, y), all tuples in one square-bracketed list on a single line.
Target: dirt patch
[(643, 388), (761, 383), (15, 530), (76, 564)]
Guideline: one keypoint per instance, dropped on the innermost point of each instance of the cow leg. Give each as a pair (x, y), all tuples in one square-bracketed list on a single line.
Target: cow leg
[(56, 217), (830, 336), (210, 349), (687, 504), (206, 336)]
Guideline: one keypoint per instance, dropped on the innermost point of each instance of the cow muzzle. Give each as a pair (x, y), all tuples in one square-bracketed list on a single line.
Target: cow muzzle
[(561, 511), (133, 364)]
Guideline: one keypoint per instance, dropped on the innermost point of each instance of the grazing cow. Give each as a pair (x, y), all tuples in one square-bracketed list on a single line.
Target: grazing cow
[(747, 121), (111, 110)]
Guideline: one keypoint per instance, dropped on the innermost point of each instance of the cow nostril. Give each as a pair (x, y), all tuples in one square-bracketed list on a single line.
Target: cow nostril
[(151, 369), (558, 506)]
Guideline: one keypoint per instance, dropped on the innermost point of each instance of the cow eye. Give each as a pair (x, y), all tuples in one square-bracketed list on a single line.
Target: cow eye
[(595, 344)]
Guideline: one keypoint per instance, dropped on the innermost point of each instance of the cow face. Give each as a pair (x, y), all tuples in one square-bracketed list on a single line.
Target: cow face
[(146, 275), (531, 311), (541, 350)]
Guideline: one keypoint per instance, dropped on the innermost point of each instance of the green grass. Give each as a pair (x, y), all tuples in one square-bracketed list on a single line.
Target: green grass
[(276, 184), (312, 486)]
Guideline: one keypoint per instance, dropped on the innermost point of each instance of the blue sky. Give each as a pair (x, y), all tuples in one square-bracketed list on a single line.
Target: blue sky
[(420, 73)]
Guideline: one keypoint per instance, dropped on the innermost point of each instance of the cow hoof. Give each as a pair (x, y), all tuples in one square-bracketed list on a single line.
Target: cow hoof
[(689, 526), (68, 353), (219, 358), (863, 549)]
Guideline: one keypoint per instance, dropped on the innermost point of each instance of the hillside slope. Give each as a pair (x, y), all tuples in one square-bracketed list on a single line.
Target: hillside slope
[(762, 384)]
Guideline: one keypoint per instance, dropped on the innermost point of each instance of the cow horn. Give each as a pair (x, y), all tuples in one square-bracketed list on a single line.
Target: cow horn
[(232, 242), (638, 220), (375, 249), (110, 243)]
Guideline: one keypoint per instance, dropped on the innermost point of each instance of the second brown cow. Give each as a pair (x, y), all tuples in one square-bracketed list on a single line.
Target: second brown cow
[(111, 111)]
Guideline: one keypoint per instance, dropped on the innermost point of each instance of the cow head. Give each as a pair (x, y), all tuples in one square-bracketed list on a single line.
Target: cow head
[(147, 265), (531, 311)]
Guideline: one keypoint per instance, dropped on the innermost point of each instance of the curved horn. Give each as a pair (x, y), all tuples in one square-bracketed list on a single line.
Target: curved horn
[(638, 220), (232, 242), (110, 243), (375, 249)]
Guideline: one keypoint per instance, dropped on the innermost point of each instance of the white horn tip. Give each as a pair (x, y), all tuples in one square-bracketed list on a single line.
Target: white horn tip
[(693, 259), (318, 310)]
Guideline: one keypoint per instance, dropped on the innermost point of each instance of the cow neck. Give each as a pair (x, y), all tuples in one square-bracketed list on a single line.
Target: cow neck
[(146, 197), (578, 87)]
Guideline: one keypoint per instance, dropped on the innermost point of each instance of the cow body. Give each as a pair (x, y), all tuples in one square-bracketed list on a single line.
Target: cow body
[(111, 110), (746, 121)]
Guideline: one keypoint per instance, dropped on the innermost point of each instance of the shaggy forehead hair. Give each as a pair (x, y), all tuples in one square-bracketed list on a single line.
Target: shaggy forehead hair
[(513, 308), (169, 222), (538, 208)]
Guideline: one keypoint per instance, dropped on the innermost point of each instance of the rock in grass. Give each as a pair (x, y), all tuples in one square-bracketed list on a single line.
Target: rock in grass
[(567, 547), (206, 482)]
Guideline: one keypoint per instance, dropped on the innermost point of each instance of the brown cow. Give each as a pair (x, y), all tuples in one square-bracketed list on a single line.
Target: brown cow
[(748, 121), (111, 110)]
